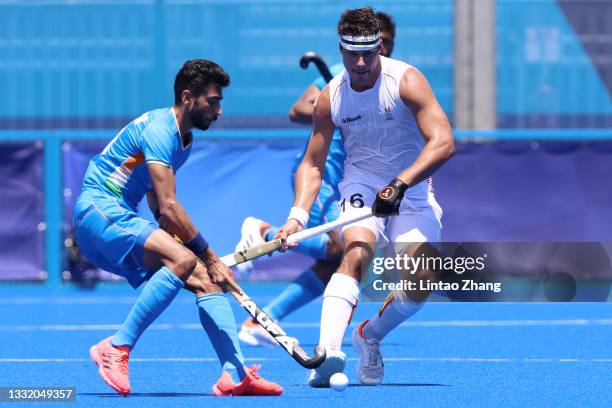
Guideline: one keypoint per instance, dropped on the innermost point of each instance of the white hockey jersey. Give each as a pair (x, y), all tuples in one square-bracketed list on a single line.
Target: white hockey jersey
[(381, 136)]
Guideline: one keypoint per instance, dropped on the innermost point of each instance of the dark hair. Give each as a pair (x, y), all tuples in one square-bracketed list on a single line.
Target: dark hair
[(358, 22), (197, 75), (386, 23)]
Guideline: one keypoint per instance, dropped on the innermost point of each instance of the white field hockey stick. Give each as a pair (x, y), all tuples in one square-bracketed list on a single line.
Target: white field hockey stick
[(276, 244), (261, 317)]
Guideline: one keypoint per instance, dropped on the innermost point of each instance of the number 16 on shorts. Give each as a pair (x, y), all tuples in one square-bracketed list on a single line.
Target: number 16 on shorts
[(355, 201)]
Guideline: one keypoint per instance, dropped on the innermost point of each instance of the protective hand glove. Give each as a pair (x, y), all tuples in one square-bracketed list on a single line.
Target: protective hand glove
[(389, 199)]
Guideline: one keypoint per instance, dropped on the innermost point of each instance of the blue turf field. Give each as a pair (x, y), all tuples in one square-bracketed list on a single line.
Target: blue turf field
[(450, 354)]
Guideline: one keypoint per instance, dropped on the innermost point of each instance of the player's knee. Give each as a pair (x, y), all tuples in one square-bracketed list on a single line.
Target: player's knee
[(201, 286), (358, 252), (199, 282), (356, 259), (184, 263)]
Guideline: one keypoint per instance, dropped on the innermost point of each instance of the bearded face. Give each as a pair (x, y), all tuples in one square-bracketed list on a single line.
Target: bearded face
[(205, 108)]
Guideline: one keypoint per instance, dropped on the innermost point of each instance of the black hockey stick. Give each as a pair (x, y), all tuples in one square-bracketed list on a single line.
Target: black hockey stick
[(318, 61)]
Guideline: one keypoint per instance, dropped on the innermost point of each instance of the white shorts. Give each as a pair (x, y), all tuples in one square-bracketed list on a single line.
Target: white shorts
[(418, 220)]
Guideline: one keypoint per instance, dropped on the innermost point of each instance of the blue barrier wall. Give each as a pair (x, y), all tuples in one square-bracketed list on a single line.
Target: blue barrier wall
[(22, 217), (492, 190), (495, 191)]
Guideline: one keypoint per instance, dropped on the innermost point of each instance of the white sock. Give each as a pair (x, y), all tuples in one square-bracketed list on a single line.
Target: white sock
[(339, 300), (391, 315)]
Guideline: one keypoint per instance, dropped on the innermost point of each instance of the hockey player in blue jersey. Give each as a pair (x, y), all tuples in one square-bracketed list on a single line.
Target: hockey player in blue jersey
[(143, 159)]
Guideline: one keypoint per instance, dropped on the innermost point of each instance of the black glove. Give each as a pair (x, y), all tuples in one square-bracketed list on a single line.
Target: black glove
[(388, 199)]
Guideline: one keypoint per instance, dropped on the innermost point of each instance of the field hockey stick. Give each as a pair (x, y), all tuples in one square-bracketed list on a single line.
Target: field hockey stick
[(256, 312), (276, 244), (289, 344), (319, 63)]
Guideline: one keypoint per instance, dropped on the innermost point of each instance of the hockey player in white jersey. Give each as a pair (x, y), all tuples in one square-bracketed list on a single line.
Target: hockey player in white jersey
[(396, 136)]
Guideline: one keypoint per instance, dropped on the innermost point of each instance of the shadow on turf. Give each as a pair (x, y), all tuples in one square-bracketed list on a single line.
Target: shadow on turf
[(345, 344), (201, 394), (401, 385), (146, 394), (387, 385)]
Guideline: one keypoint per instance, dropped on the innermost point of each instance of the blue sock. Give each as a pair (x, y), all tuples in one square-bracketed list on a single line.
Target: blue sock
[(218, 321), (315, 247), (302, 290), (156, 295)]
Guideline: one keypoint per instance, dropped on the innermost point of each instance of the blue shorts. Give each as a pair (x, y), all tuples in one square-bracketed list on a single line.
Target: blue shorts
[(326, 207), (112, 236)]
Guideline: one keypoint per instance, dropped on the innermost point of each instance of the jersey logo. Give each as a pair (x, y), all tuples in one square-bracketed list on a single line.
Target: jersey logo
[(353, 119)]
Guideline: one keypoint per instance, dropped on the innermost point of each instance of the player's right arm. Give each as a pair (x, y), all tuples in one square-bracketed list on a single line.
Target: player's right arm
[(310, 172), (302, 110)]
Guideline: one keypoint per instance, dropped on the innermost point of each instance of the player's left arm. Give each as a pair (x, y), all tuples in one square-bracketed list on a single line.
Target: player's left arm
[(158, 150), (417, 94), (173, 219), (158, 147), (162, 200), (433, 123)]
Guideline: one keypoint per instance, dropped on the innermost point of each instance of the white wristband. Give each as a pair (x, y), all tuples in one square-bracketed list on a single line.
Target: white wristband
[(299, 214)]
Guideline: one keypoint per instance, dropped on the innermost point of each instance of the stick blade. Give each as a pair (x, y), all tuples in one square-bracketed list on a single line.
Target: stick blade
[(306, 58), (316, 360)]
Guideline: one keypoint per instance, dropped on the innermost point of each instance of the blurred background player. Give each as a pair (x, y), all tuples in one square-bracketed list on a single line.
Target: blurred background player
[(145, 156), (393, 129), (326, 249)]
